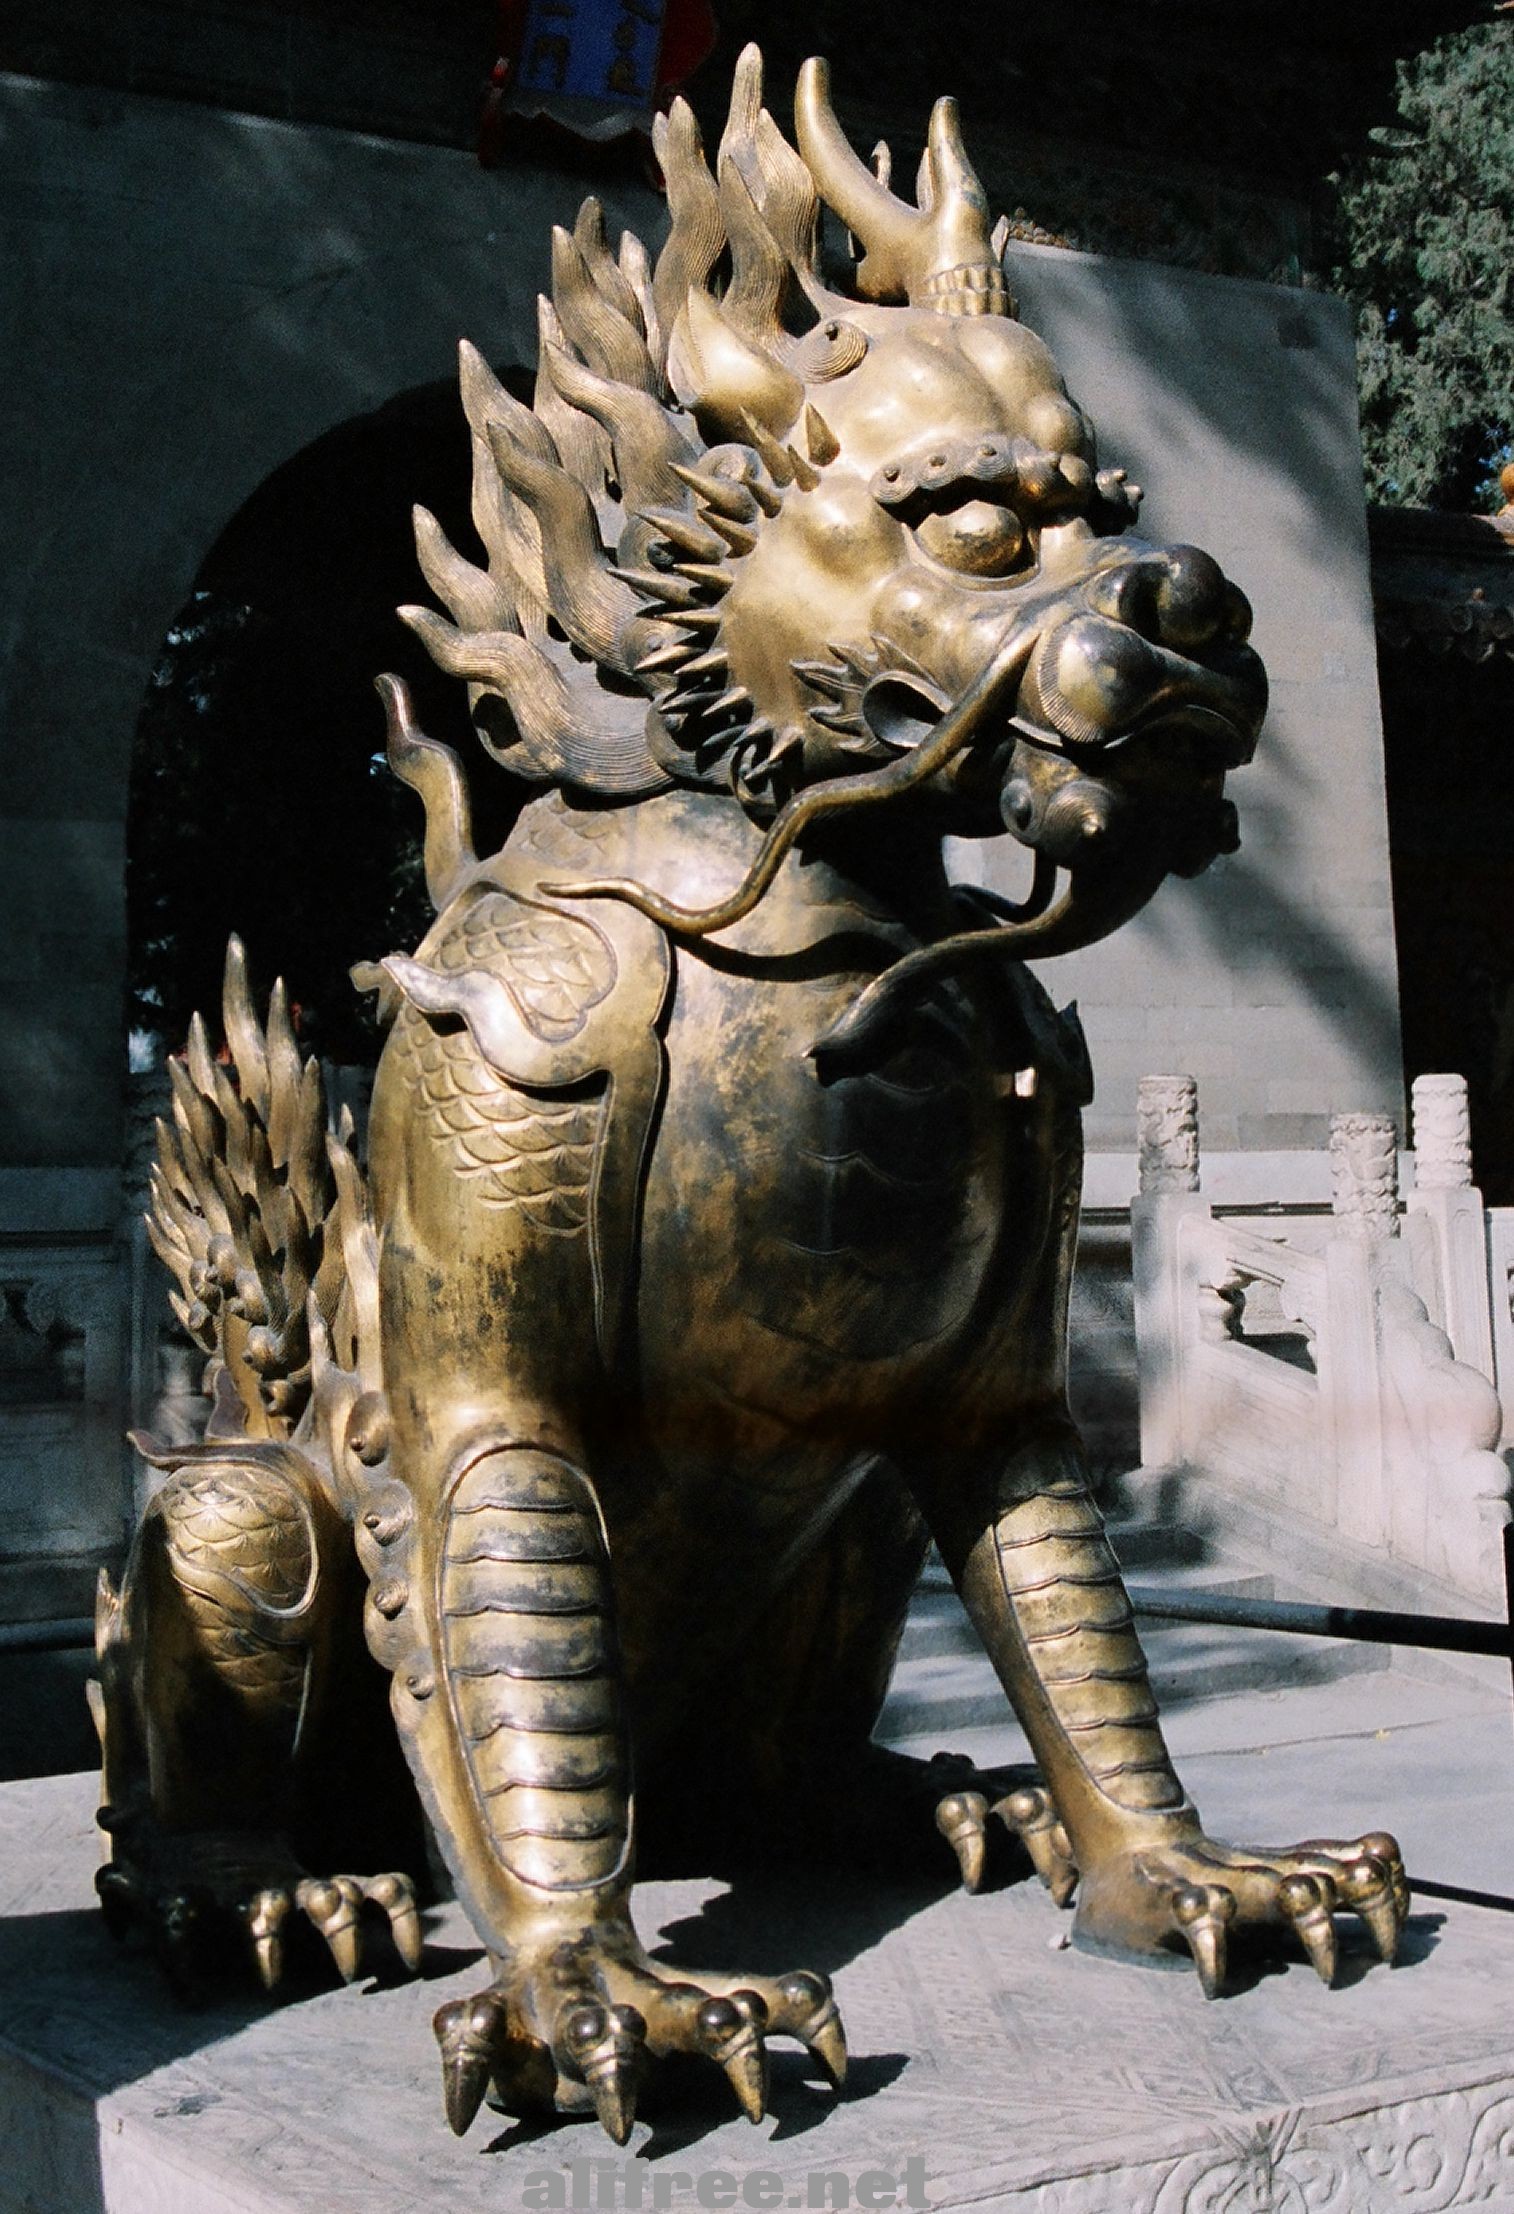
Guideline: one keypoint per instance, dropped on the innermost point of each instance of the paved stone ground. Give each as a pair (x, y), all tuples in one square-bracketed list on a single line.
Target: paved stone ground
[(1022, 2075)]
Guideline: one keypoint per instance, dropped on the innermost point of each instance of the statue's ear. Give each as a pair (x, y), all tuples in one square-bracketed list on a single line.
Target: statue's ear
[(723, 377)]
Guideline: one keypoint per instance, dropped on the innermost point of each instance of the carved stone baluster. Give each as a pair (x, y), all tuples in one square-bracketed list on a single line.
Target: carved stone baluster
[(1167, 1126), (1167, 1121), (1447, 1207), (1442, 1134), (1364, 1174)]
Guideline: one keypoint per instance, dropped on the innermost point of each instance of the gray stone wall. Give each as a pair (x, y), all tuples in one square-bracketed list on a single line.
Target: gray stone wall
[(190, 298), (1272, 978)]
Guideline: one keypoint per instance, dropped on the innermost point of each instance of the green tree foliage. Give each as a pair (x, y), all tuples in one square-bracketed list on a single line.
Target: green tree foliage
[(1424, 246)]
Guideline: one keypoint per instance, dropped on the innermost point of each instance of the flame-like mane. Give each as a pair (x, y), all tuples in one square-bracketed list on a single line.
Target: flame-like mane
[(673, 411)]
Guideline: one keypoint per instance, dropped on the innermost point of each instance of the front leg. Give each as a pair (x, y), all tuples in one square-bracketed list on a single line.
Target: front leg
[(493, 1605), (1026, 1545)]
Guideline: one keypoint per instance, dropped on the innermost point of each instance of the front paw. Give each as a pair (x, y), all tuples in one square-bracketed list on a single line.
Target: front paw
[(576, 2026), (1191, 1894)]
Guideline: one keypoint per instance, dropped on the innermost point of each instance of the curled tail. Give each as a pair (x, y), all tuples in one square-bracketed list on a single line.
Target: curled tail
[(225, 1657), (258, 1211)]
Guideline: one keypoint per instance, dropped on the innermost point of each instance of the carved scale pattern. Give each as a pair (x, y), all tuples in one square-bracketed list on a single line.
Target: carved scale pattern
[(1067, 1592), (532, 1154), (529, 1654), (556, 967), (242, 1552)]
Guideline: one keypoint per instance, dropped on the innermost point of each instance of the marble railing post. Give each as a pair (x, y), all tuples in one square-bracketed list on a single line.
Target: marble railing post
[(1445, 1196), (1167, 1116), (1364, 1180)]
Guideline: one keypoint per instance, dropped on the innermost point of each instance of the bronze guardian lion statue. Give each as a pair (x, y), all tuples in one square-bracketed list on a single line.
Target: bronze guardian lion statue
[(711, 1256)]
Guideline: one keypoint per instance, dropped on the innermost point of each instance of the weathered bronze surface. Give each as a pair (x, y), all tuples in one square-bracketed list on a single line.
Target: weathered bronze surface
[(712, 1252)]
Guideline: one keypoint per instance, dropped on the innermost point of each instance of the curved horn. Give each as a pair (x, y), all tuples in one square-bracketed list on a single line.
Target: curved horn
[(938, 255)]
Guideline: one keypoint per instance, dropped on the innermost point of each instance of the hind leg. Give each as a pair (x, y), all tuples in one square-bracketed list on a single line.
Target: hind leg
[(784, 1757), (229, 1649)]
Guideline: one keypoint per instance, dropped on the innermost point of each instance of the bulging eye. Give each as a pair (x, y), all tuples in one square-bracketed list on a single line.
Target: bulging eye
[(981, 538)]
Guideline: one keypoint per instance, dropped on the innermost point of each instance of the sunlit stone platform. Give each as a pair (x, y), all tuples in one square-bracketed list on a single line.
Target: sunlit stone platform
[(1020, 2074)]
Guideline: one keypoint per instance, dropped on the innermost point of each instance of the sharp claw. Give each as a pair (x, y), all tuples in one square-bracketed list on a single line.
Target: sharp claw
[(118, 1899), (606, 2046), (1204, 1912), (1031, 1815), (807, 2010), (614, 2091), (265, 1920), (731, 2033), (1304, 1901), (396, 1895), (960, 1818), (333, 1908), (827, 2041), (1367, 1888), (466, 2030), (1380, 1845)]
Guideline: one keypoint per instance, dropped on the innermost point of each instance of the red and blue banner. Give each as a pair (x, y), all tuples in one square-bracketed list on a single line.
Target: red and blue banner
[(597, 69)]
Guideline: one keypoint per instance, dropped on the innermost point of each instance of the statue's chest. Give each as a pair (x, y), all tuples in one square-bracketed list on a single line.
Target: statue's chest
[(852, 1213)]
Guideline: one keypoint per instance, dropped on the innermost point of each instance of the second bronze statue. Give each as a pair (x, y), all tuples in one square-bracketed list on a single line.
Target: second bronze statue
[(711, 1257)]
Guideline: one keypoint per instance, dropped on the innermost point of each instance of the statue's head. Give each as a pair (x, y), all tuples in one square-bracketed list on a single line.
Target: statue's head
[(763, 538)]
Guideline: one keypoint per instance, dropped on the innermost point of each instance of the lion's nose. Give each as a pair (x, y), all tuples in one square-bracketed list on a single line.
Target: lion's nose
[(1179, 597), (1193, 600)]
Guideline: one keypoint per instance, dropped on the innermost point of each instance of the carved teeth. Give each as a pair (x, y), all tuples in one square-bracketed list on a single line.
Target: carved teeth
[(666, 657), (804, 476), (693, 538), (823, 677), (656, 584), (821, 440), (779, 458)]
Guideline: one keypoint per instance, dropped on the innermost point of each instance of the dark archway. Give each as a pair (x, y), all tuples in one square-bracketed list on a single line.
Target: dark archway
[(260, 801)]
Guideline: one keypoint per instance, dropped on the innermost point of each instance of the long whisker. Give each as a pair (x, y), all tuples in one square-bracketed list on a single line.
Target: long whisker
[(951, 734), (1078, 915)]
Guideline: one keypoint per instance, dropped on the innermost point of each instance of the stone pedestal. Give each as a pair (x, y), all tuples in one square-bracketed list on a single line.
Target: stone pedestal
[(1022, 2076)]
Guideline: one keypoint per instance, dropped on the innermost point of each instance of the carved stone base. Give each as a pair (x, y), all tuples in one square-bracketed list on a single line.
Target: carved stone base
[(1024, 2077)]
